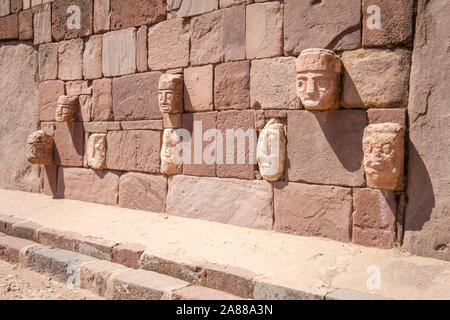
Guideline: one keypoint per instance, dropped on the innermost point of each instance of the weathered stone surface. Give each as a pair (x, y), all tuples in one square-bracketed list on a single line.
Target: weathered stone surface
[(50, 177), (16, 5), (92, 58), (49, 92), (197, 124), (94, 276), (271, 150), (343, 294), (26, 230), (40, 148), (85, 107), (136, 13), (26, 25), (324, 147), (326, 24), (20, 116), (119, 52), (141, 49), (143, 191), (65, 240), (79, 87), (71, 19), (311, 210), (387, 23), (102, 104), (68, 109), (9, 27), (128, 254), (88, 185), (170, 93), (230, 3), (135, 97), (198, 89), (171, 152), (70, 59), (376, 78), (171, 120), (102, 16), (267, 289), (387, 115), (69, 144), (273, 84), (7, 222), (168, 45), (188, 8), (246, 203), (264, 23), (10, 248), (134, 150), (96, 247), (427, 224), (42, 24), (374, 217), (234, 33), (232, 86), (96, 151), (5, 7), (202, 293), (142, 125), (48, 61), (101, 127)]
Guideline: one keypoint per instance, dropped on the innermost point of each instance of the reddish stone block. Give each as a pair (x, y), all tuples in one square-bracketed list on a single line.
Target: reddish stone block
[(6, 223), (88, 185), (133, 13), (232, 85), (203, 122), (96, 247), (241, 163), (61, 19), (202, 293), (9, 27), (26, 25), (69, 143), (84, 113), (26, 230), (10, 248), (102, 100), (70, 59), (50, 176), (134, 150), (172, 120), (16, 5), (128, 254), (135, 97), (143, 191), (234, 33), (102, 14), (141, 49), (387, 115), (94, 276), (312, 210), (198, 89), (92, 58), (374, 217), (42, 24), (48, 61), (5, 8), (65, 240), (49, 92)]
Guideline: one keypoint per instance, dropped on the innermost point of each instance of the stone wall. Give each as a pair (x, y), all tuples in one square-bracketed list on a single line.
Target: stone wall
[(238, 61)]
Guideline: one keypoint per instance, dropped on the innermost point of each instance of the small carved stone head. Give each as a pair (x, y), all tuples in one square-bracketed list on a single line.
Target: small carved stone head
[(271, 150), (67, 109), (318, 79), (40, 148), (383, 146), (96, 151), (170, 93)]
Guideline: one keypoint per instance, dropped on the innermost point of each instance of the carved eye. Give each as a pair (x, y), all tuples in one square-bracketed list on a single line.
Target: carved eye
[(301, 85), (322, 84), (386, 148), (367, 148), (169, 95)]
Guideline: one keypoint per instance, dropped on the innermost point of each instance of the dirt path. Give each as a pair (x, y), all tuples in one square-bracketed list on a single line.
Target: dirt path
[(17, 283)]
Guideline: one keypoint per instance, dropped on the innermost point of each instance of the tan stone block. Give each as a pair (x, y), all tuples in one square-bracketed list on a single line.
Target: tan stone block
[(232, 86), (92, 58), (70, 59), (102, 16), (119, 52), (141, 49), (202, 293), (102, 100), (133, 13), (142, 125), (65, 240), (26, 25), (172, 120), (71, 19), (94, 276), (198, 89), (234, 33), (48, 61), (188, 8), (9, 27), (5, 8), (69, 143), (128, 254), (96, 247), (16, 5), (101, 127), (49, 92), (230, 3), (387, 115), (42, 24)]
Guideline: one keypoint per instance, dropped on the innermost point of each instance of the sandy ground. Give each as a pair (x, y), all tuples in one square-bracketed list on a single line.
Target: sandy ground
[(17, 283)]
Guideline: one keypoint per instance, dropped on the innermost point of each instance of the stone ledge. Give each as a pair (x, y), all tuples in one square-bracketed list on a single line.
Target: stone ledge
[(343, 294)]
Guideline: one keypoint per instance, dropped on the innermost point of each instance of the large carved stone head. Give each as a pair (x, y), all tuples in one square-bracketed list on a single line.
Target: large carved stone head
[(318, 79), (40, 148), (96, 151), (171, 152), (67, 109), (383, 146), (170, 93), (271, 150)]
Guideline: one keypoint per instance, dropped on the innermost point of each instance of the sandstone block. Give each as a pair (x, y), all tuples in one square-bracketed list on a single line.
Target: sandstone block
[(92, 58), (376, 78), (311, 210), (69, 144), (142, 125), (50, 176), (168, 45), (16, 5), (387, 115), (10, 248), (171, 120), (188, 8), (136, 13), (101, 127), (246, 203), (42, 24), (198, 89), (85, 108), (49, 92), (48, 61), (202, 293), (96, 247), (267, 289), (232, 86), (119, 52), (76, 88), (70, 59), (102, 16), (26, 25), (65, 240), (127, 254), (142, 49), (7, 222), (5, 7), (71, 19), (94, 276), (234, 33), (231, 3), (9, 27), (325, 147), (26, 230), (102, 104)]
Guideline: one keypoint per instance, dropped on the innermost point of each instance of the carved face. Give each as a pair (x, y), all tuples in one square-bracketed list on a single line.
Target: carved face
[(171, 152), (271, 151), (318, 90), (96, 151), (169, 101), (67, 109), (40, 148)]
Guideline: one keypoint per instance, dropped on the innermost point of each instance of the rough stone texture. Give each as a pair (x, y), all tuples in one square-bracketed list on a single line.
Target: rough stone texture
[(50, 176), (94, 276), (95, 151), (232, 86), (171, 120), (343, 294), (273, 84), (246, 203), (239, 153), (142, 125), (76, 88), (6, 223), (271, 150), (5, 7), (70, 59), (102, 16), (49, 92), (61, 19), (134, 150), (204, 122), (427, 225), (10, 248), (20, 116), (218, 36), (171, 152), (102, 109), (311, 210), (69, 144), (40, 148), (188, 8), (135, 97), (88, 185), (65, 240), (198, 89), (396, 23), (142, 191), (128, 254), (133, 13), (92, 58), (141, 49), (16, 5), (264, 36), (326, 24), (9, 27), (230, 3), (26, 25), (376, 78), (168, 45), (374, 217), (26, 230), (266, 289), (325, 147), (42, 24), (48, 61), (96, 247), (101, 127), (387, 115), (141, 285), (119, 52), (202, 293), (85, 111)]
